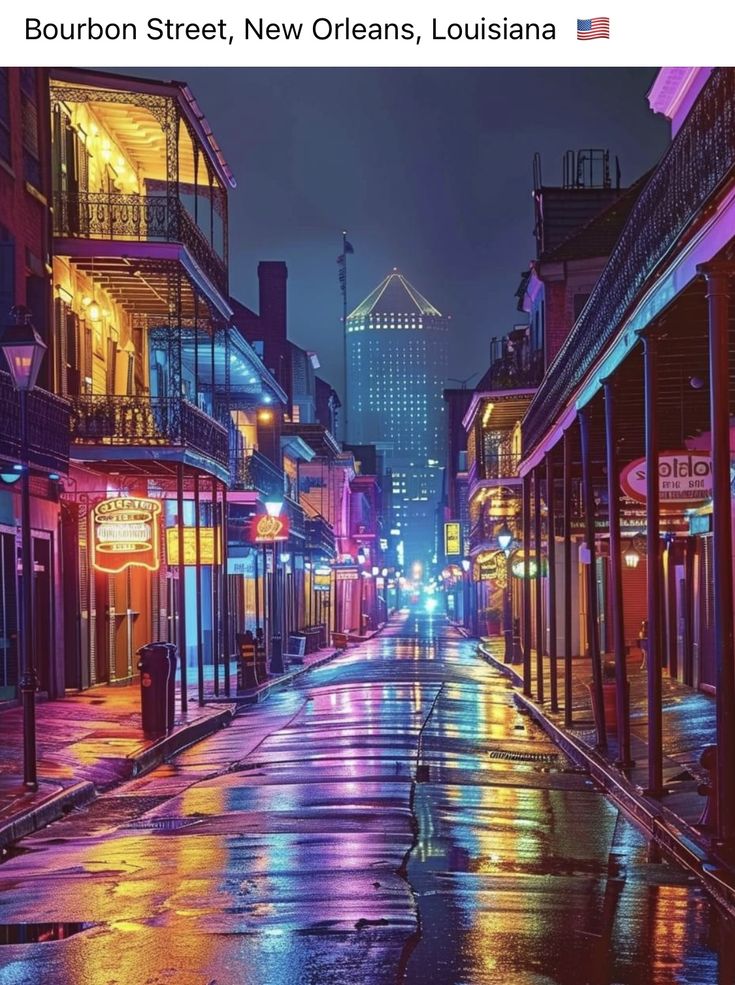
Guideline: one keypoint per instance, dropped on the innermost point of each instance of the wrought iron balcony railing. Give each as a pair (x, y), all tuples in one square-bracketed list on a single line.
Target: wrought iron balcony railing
[(320, 536), (699, 159), (503, 466), (137, 218), (511, 373), (48, 427), (250, 470), (140, 421)]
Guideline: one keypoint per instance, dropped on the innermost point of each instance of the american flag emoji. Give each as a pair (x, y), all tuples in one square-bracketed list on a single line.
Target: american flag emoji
[(592, 28)]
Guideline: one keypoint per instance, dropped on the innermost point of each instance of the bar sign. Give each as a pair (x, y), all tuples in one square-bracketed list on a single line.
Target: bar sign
[(452, 539)]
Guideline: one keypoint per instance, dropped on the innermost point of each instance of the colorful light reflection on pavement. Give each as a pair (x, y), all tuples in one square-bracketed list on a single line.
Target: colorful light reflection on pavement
[(295, 847)]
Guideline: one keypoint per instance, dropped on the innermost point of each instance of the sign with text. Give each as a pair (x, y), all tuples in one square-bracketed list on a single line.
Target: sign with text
[(684, 478), (346, 574), (206, 545), (452, 539), (266, 528), (488, 566), (125, 534), (322, 580)]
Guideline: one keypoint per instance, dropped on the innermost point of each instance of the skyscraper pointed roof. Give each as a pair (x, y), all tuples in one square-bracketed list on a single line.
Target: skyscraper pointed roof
[(394, 294)]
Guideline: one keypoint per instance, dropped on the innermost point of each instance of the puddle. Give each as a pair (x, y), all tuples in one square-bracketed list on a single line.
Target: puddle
[(39, 933)]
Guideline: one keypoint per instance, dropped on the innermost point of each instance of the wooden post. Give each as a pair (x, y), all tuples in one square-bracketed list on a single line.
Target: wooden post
[(539, 582), (527, 584), (567, 534), (551, 557)]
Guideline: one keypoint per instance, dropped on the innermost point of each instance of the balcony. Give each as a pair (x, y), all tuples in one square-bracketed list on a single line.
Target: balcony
[(139, 422), (692, 171), (48, 427), (138, 219), (250, 470), (320, 536)]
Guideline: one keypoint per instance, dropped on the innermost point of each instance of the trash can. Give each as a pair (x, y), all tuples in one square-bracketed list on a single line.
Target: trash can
[(157, 666), (246, 651), (277, 655), (261, 657)]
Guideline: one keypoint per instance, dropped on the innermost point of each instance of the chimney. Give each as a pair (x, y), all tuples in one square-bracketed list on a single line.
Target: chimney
[(272, 276)]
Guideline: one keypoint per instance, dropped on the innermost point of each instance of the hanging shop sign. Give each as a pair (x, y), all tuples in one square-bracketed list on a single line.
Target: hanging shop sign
[(346, 574), (266, 528), (684, 477), (125, 534), (488, 565), (206, 545), (452, 539), (322, 580)]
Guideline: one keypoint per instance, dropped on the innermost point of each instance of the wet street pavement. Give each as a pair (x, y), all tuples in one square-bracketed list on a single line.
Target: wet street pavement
[(295, 847)]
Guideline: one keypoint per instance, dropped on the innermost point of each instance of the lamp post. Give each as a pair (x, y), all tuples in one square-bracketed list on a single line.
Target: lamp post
[(505, 539), (466, 565), (24, 351)]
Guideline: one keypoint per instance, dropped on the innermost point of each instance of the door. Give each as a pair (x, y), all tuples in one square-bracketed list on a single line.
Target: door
[(9, 657), (43, 614)]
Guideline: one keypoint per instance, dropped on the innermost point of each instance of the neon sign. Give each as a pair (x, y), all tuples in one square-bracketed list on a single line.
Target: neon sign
[(125, 534), (268, 528)]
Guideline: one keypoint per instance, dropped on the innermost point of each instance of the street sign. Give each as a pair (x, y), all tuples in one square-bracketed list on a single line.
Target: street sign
[(322, 580)]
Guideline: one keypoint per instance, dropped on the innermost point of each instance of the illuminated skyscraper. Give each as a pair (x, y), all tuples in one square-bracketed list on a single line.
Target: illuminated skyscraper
[(396, 367)]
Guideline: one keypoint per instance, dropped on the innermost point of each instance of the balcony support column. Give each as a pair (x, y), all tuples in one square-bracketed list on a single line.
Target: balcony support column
[(653, 568), (181, 641), (526, 522), (718, 300), (215, 590), (551, 560), (567, 542), (539, 599), (616, 576), (593, 629), (200, 635), (225, 596)]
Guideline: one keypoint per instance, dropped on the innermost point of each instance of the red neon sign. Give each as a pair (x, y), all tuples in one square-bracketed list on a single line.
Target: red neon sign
[(268, 528)]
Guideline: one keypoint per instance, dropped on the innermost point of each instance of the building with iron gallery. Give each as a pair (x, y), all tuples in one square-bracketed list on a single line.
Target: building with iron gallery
[(165, 422)]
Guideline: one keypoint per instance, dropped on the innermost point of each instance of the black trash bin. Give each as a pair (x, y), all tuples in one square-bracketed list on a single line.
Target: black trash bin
[(157, 666), (277, 655), (246, 662)]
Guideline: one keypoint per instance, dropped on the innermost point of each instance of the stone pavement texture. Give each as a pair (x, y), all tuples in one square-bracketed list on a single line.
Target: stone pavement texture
[(91, 741)]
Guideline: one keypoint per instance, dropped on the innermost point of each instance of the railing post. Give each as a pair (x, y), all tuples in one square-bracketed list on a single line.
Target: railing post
[(181, 641)]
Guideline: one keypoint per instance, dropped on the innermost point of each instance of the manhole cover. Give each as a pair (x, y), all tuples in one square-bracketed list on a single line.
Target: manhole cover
[(525, 757), (39, 933), (163, 823)]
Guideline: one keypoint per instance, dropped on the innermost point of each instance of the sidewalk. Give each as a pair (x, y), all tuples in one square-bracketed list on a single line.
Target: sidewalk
[(91, 741), (688, 726)]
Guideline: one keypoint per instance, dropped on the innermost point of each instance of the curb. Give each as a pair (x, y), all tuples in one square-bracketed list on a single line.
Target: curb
[(51, 809), (670, 833), (152, 756), (260, 694)]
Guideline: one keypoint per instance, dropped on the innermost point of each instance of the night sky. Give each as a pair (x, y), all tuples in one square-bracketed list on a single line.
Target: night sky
[(428, 169)]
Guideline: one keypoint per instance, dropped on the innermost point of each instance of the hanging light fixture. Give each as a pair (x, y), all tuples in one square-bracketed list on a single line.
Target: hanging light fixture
[(632, 558)]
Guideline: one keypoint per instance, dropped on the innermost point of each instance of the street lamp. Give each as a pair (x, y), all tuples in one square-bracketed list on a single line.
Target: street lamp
[(24, 351), (505, 539)]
